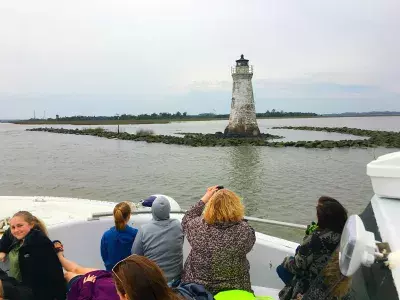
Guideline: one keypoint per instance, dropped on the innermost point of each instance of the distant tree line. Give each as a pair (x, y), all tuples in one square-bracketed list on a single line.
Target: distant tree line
[(281, 114), (181, 116), (365, 114)]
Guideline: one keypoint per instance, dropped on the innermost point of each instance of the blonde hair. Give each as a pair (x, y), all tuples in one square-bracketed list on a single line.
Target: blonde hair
[(333, 276), (224, 206), (122, 212), (32, 220)]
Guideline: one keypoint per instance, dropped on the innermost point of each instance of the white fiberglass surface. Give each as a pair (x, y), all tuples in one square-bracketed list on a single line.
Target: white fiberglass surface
[(81, 241), (53, 210)]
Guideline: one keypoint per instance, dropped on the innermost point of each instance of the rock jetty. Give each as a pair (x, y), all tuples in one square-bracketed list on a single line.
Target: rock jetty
[(373, 138)]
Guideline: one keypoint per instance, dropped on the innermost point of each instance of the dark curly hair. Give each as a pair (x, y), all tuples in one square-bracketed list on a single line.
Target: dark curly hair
[(331, 214)]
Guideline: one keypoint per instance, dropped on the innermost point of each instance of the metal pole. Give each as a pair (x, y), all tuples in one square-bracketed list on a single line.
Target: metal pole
[(251, 219), (278, 223)]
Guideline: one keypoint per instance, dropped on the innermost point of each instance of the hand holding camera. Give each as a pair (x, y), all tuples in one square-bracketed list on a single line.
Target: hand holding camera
[(210, 192)]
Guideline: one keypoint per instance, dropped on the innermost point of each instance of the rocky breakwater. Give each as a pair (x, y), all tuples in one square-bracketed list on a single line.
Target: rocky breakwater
[(373, 138), (188, 139)]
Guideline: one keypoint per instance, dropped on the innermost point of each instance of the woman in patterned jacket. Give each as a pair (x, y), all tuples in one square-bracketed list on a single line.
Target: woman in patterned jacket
[(316, 250), (220, 239)]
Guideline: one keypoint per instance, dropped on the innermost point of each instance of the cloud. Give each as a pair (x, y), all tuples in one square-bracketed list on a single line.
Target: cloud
[(126, 56)]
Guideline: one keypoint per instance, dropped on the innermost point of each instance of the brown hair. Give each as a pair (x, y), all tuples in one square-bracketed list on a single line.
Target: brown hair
[(332, 276), (32, 220), (1, 289), (122, 212), (224, 206), (331, 214), (139, 278)]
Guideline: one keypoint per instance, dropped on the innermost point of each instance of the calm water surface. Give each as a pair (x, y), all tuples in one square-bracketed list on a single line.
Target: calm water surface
[(280, 184)]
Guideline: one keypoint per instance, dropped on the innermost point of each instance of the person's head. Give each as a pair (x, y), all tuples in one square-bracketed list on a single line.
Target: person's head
[(161, 208), (331, 214), (332, 276), (137, 278), (224, 206), (122, 214), (22, 223)]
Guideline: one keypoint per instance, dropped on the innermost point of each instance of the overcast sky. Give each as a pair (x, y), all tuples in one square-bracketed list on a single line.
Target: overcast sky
[(97, 57)]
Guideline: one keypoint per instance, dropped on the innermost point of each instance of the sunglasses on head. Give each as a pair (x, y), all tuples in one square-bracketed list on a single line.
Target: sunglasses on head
[(116, 275), (116, 265)]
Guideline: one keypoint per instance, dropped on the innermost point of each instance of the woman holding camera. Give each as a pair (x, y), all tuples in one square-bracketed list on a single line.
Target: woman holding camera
[(220, 239)]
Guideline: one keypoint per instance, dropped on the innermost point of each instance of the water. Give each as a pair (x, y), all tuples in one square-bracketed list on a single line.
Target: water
[(276, 183)]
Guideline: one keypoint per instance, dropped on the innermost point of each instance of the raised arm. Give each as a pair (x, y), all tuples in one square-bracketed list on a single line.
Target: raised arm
[(196, 210)]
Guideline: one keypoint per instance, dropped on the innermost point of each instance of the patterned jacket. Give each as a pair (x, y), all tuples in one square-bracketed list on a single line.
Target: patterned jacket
[(320, 291), (311, 257), (217, 259)]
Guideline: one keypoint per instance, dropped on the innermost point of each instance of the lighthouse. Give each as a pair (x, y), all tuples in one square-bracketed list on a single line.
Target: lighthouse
[(242, 119)]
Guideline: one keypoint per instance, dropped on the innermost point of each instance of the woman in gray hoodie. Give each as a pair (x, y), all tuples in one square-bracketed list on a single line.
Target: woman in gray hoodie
[(161, 240)]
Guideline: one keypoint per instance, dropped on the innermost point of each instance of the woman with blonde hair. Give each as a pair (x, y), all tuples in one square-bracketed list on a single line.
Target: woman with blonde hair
[(32, 258), (220, 239), (116, 243)]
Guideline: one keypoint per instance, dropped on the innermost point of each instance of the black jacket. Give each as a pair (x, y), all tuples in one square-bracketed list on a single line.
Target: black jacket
[(40, 267), (13, 290)]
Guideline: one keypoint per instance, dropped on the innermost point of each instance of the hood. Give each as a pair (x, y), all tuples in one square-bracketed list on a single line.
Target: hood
[(125, 236), (161, 208)]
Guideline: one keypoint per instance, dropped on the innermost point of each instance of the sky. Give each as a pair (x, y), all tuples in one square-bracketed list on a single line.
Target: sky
[(98, 57)]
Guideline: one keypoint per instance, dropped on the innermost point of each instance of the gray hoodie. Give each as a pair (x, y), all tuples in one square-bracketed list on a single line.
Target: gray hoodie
[(161, 240)]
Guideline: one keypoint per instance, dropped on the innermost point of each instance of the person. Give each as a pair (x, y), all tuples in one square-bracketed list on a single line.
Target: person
[(86, 283), (330, 284), (317, 247), (12, 289), (138, 277), (161, 240), (220, 241), (116, 243), (32, 258), (285, 275)]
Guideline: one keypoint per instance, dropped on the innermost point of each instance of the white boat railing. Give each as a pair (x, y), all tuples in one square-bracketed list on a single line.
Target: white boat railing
[(274, 222), (251, 219)]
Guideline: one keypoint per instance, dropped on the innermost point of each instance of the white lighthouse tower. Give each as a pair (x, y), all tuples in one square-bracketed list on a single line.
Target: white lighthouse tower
[(242, 120)]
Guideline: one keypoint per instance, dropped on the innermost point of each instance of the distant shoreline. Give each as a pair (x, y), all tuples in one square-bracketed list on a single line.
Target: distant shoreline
[(166, 121), (90, 122)]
